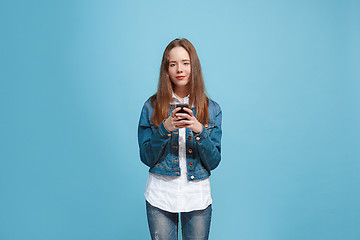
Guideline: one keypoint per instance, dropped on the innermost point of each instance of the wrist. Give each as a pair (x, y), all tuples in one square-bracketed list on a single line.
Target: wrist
[(198, 129), (165, 122)]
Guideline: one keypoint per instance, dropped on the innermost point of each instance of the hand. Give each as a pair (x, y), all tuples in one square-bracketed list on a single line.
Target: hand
[(189, 121), (172, 120)]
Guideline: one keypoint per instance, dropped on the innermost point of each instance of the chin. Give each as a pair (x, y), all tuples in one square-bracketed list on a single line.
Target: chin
[(181, 83)]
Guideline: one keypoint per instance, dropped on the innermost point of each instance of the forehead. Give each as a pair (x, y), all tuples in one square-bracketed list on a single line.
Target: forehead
[(178, 53)]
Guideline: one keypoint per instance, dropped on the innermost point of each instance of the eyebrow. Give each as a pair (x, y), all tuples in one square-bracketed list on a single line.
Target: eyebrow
[(184, 60)]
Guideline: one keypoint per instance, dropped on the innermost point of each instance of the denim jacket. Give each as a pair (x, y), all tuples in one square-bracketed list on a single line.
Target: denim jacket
[(159, 148)]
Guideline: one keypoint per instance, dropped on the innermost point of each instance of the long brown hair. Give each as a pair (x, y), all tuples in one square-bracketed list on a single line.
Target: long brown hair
[(163, 97)]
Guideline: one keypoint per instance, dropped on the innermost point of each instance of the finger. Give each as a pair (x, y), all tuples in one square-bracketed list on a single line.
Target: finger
[(183, 115), (188, 110), (184, 123), (182, 126), (173, 113), (176, 110)]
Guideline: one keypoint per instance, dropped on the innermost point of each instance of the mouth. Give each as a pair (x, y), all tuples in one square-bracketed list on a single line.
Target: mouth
[(180, 77)]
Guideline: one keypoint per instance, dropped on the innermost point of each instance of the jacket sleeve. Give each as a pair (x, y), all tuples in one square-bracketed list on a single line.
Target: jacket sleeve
[(208, 143), (151, 142)]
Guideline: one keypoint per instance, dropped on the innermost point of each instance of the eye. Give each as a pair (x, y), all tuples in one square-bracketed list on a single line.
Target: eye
[(172, 65), (186, 63)]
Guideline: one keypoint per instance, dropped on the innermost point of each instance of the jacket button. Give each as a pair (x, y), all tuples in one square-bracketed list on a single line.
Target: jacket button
[(190, 150), (206, 125), (189, 137), (169, 134), (191, 164), (198, 138), (192, 177)]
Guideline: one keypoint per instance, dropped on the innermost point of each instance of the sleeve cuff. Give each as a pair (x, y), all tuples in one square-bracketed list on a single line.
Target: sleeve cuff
[(163, 131), (200, 136)]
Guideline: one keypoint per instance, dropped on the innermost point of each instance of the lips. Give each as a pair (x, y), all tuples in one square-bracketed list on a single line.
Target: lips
[(180, 77)]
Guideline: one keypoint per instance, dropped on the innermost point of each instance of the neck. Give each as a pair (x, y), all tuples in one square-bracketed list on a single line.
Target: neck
[(181, 91)]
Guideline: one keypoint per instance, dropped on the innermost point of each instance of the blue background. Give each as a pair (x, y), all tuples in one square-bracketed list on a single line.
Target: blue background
[(75, 74)]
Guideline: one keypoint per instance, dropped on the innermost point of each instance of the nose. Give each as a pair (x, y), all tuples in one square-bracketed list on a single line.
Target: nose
[(179, 69)]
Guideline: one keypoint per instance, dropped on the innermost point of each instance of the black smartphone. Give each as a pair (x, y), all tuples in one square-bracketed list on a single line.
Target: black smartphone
[(182, 105)]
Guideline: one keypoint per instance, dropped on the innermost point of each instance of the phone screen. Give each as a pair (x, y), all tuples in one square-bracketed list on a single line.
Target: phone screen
[(182, 105)]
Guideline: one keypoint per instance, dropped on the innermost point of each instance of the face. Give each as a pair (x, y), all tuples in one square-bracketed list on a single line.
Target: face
[(179, 66)]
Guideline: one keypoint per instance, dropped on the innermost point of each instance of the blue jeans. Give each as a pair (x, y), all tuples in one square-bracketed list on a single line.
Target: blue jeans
[(163, 225)]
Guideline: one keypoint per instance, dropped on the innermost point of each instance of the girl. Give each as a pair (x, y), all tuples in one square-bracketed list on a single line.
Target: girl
[(181, 145)]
